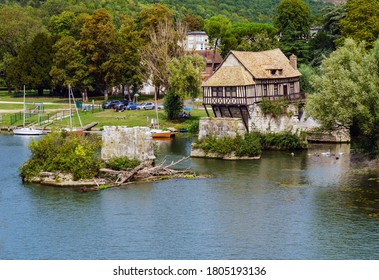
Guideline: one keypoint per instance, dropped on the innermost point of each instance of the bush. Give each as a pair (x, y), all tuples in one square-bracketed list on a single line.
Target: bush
[(242, 146), (274, 107), (76, 154), (282, 141), (173, 105), (193, 127), (250, 144), (122, 163)]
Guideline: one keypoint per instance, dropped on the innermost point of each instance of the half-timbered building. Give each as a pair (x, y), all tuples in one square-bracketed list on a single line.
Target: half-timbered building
[(245, 78)]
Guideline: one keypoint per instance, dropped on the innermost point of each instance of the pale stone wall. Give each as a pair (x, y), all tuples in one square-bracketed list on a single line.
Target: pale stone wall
[(221, 127), (285, 123), (133, 142)]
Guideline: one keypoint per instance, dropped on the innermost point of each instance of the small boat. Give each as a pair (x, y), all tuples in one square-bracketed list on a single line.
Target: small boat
[(27, 131), (159, 133)]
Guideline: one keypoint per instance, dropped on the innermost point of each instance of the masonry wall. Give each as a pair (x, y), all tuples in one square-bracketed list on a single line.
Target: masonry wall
[(221, 127), (133, 142)]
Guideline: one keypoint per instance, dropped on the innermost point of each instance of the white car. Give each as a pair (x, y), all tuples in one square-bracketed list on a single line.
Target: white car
[(147, 106)]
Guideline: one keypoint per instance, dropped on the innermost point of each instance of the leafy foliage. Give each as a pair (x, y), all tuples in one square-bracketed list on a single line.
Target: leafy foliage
[(58, 152), (250, 144), (274, 108), (282, 141), (347, 89), (361, 21), (185, 75), (122, 163), (173, 105)]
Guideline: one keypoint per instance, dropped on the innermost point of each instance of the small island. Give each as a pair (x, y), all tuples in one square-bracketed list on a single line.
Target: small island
[(66, 159)]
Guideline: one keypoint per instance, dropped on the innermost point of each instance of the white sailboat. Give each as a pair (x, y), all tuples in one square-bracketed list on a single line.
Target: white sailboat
[(26, 130), (71, 128), (158, 133)]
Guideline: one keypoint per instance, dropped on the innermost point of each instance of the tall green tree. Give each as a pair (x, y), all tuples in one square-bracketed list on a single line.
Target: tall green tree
[(361, 21), (293, 22), (185, 81), (17, 29), (99, 43), (253, 36), (32, 65), (221, 38), (347, 90), (69, 67)]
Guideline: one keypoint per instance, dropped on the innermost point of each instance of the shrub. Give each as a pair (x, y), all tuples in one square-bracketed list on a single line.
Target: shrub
[(274, 107), (282, 141), (66, 153), (242, 146), (122, 163)]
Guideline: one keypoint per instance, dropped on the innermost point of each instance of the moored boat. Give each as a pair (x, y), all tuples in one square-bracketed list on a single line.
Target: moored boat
[(27, 131), (159, 133)]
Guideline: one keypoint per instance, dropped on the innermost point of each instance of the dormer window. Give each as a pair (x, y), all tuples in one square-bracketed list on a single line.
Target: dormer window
[(273, 72), (280, 71)]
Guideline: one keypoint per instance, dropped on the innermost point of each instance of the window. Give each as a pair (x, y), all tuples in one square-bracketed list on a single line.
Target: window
[(280, 71), (292, 88), (275, 89), (273, 72), (264, 90), (230, 91), (217, 91)]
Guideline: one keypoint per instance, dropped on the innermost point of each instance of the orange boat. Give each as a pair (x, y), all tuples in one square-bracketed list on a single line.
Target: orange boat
[(159, 133)]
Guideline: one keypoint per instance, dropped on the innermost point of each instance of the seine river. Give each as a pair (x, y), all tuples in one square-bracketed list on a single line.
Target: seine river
[(306, 206)]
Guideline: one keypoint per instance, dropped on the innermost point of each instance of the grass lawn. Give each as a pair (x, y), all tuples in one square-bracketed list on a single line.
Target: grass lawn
[(104, 118), (135, 118)]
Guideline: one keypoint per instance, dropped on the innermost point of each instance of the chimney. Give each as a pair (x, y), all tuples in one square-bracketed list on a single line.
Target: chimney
[(293, 61)]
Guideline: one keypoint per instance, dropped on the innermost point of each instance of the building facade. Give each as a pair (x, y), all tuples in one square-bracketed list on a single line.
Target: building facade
[(196, 41), (246, 78)]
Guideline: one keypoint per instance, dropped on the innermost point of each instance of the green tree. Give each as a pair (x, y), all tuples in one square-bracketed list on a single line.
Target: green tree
[(131, 45), (219, 31), (69, 66), (185, 81), (99, 43), (17, 29), (307, 73), (159, 50), (33, 64), (255, 36), (150, 19), (361, 21), (347, 90), (60, 25), (293, 22)]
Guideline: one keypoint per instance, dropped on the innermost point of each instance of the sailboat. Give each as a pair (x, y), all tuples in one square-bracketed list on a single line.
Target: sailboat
[(26, 130), (156, 132), (72, 129)]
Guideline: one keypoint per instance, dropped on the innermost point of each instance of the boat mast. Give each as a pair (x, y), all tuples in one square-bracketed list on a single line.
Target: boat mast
[(24, 118), (76, 108)]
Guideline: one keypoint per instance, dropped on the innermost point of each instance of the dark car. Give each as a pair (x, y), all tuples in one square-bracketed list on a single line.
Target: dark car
[(110, 104), (131, 106), (121, 106)]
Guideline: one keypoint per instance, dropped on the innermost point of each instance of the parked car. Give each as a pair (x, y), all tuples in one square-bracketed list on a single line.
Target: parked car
[(147, 106), (110, 104), (131, 106), (121, 106)]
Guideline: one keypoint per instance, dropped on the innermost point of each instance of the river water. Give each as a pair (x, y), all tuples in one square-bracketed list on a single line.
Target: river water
[(306, 206)]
